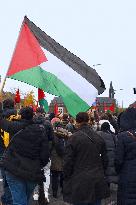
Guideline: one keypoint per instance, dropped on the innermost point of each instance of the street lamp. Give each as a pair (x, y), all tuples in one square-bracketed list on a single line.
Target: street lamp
[(122, 99), (119, 89), (96, 65)]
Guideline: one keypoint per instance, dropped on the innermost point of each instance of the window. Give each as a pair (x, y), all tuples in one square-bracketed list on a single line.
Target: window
[(61, 110)]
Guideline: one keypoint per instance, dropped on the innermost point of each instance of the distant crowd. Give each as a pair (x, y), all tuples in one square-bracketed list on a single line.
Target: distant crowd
[(89, 160)]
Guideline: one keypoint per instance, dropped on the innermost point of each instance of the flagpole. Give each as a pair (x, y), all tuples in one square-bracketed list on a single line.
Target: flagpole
[(4, 81), (122, 105)]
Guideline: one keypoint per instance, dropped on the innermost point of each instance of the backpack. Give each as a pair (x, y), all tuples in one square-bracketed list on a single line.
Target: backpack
[(60, 140), (22, 157), (5, 135)]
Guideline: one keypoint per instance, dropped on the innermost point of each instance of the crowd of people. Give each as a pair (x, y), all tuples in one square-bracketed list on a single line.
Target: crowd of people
[(91, 159)]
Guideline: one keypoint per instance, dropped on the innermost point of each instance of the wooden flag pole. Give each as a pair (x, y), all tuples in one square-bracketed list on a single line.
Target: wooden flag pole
[(3, 84), (4, 81)]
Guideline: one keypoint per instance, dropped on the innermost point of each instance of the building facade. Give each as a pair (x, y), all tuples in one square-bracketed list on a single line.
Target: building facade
[(61, 107)]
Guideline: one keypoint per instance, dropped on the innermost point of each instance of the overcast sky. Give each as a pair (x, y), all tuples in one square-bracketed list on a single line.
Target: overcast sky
[(98, 31)]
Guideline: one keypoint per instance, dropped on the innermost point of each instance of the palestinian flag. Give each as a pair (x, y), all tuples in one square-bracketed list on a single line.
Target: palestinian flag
[(42, 62), (42, 102)]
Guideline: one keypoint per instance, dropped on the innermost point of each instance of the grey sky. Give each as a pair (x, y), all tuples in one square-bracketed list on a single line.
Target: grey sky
[(98, 31)]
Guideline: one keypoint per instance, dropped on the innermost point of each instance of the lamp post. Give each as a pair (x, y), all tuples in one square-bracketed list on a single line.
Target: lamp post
[(122, 99), (98, 64)]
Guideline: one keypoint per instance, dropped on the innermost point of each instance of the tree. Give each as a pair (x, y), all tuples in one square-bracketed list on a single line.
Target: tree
[(29, 100)]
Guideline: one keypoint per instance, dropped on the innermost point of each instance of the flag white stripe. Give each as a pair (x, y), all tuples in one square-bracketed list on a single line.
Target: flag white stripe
[(85, 90)]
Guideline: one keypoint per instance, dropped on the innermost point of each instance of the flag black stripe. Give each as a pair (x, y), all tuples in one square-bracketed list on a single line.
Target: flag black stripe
[(66, 56)]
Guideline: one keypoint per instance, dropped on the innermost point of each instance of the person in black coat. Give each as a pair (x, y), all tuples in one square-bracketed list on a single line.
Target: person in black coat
[(61, 136), (125, 160), (40, 119), (111, 142), (110, 173), (84, 164), (7, 110), (26, 155)]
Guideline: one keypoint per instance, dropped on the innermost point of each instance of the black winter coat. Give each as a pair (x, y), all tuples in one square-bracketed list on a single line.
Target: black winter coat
[(29, 146), (126, 158), (111, 142), (84, 164), (6, 113), (126, 168)]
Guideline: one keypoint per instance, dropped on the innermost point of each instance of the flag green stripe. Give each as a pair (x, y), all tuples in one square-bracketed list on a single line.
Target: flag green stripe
[(66, 56), (44, 104), (48, 82)]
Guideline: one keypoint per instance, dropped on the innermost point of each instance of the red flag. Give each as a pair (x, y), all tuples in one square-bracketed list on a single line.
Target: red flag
[(56, 112), (41, 94), (34, 107), (17, 96), (105, 107), (112, 107)]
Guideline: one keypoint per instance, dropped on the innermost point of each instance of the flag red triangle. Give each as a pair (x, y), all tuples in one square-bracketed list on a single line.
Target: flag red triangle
[(27, 54)]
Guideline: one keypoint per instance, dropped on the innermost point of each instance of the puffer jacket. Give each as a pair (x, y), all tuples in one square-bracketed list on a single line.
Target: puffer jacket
[(111, 142), (28, 151), (125, 160)]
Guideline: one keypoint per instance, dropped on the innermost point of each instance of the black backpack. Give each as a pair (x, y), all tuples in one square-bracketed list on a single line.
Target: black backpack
[(28, 138), (24, 155)]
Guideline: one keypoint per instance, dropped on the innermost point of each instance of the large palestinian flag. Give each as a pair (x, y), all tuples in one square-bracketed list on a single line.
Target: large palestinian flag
[(42, 62)]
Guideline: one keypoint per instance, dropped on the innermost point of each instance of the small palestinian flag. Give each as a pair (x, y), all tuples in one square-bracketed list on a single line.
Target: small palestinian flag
[(42, 102), (42, 62)]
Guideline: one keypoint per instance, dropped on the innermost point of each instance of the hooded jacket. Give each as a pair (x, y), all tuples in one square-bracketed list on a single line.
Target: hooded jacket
[(28, 151), (125, 160), (110, 141)]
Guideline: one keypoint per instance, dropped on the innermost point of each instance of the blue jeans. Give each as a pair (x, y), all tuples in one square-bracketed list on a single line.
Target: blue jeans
[(21, 190), (6, 198), (96, 203)]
